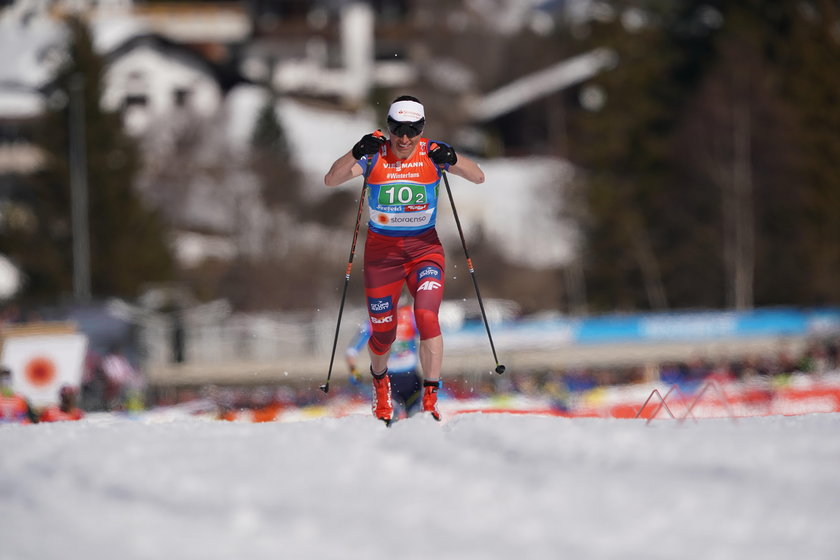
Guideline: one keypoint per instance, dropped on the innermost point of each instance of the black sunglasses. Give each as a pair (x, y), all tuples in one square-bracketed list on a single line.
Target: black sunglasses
[(401, 128)]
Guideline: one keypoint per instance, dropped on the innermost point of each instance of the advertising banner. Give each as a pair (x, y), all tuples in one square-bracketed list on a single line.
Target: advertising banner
[(42, 364)]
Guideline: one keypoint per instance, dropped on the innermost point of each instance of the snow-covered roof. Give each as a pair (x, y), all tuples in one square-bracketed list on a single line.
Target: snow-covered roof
[(10, 278), (541, 83), (109, 33), (30, 50), (172, 50), (17, 102)]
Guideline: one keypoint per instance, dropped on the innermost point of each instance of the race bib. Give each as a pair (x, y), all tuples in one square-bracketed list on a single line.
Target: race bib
[(396, 194)]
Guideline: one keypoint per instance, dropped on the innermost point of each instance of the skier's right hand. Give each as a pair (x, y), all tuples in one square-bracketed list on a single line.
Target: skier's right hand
[(368, 145)]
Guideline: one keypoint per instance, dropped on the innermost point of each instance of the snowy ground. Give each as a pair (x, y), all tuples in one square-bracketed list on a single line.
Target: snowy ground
[(478, 486)]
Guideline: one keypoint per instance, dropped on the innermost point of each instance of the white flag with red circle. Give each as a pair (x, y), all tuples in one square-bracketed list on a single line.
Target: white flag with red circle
[(42, 364)]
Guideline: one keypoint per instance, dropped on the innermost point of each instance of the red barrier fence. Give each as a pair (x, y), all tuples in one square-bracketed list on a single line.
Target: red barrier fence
[(734, 400)]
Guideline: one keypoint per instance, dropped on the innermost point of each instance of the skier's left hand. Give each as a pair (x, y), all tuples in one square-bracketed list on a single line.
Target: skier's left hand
[(442, 154)]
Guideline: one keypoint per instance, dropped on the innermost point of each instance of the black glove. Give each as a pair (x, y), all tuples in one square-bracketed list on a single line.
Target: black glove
[(368, 145), (442, 154)]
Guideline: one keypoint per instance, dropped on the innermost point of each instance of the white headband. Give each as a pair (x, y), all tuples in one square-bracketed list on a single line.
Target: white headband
[(406, 111)]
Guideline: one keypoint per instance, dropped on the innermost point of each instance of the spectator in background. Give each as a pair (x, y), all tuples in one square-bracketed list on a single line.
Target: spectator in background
[(13, 408), (94, 383), (66, 409), (123, 379)]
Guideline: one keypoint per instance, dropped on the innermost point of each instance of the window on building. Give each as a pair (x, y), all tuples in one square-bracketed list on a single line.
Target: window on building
[(135, 90), (182, 97), (136, 100)]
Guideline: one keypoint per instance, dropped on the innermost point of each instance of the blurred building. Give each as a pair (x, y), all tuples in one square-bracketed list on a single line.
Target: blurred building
[(151, 78), (334, 50)]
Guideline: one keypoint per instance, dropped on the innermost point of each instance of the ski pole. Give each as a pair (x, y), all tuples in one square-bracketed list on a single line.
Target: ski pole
[(500, 369), (326, 386)]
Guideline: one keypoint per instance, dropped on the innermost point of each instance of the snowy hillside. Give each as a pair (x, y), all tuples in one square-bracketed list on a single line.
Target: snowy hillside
[(477, 487)]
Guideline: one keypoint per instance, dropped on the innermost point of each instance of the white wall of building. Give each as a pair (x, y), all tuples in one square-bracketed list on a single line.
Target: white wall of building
[(167, 82)]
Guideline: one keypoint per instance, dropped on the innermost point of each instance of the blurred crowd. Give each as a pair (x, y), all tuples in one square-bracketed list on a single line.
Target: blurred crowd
[(561, 388), (14, 408), (769, 372), (111, 383)]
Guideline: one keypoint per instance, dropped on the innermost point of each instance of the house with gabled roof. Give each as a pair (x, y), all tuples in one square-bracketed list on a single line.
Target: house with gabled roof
[(151, 78)]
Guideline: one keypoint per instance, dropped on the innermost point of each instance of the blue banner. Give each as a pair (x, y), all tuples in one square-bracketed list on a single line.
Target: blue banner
[(654, 327)]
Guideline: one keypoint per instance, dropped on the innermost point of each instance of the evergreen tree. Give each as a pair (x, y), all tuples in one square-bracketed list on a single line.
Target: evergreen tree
[(128, 242), (272, 158), (807, 44), (763, 138), (734, 159), (624, 148), (712, 177)]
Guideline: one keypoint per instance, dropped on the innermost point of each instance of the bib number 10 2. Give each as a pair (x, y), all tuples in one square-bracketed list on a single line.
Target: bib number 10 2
[(402, 194)]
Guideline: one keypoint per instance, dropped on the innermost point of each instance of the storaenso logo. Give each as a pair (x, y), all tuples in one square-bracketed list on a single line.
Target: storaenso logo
[(379, 305), (408, 219)]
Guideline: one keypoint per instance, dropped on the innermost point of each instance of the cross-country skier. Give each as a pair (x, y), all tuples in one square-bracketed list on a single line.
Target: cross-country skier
[(402, 247), (403, 364)]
